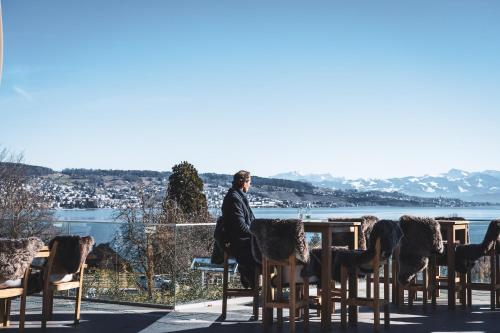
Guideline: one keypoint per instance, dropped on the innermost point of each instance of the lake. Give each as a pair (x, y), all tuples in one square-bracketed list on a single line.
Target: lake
[(101, 224)]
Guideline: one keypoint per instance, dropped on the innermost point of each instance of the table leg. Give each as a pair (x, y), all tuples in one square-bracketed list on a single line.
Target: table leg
[(451, 268), (326, 263)]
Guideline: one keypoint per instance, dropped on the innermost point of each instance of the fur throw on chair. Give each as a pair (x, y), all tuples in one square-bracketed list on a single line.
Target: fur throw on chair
[(71, 252), (421, 239), (367, 223), (467, 255), (389, 234), (278, 239), (16, 256)]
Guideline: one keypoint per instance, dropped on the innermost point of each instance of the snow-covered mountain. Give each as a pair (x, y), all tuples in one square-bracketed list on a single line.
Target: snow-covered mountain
[(473, 186)]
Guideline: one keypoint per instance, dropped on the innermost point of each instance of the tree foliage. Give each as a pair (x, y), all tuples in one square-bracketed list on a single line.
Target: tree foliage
[(185, 191), (23, 211)]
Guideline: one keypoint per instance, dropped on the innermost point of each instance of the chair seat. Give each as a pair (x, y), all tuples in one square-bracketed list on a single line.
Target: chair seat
[(65, 285), (10, 292)]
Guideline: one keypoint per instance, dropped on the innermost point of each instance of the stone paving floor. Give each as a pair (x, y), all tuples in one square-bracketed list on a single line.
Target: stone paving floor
[(204, 318)]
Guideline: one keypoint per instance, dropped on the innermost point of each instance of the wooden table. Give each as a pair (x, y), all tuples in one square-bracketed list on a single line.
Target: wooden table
[(453, 231), (326, 228)]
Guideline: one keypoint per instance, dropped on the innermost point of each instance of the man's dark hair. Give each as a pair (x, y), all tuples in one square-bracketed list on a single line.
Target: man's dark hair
[(240, 178)]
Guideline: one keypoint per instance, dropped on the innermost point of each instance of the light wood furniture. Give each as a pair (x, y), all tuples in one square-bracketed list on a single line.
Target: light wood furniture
[(350, 296), (50, 287), (454, 232), (6, 296), (298, 298), (326, 229), (234, 292), (427, 285), (346, 234), (493, 286)]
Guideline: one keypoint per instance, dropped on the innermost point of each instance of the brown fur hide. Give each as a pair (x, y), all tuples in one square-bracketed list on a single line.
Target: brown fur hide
[(16, 256), (71, 252), (389, 234), (467, 255), (421, 239), (278, 239)]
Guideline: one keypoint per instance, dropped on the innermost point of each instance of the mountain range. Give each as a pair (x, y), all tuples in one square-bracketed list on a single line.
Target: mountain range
[(471, 186)]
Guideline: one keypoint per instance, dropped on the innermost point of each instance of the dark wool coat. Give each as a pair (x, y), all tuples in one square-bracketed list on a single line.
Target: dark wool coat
[(237, 216)]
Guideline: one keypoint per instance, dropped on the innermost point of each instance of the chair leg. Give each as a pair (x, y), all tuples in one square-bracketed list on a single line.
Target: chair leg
[(51, 305), (425, 287), (376, 298), (78, 304), (368, 286), (353, 294), (343, 296), (255, 296), (394, 279), (468, 278), (2, 310), (279, 296), (6, 314), (386, 296), (44, 309), (22, 312), (432, 281), (306, 307), (493, 281), (225, 282), (293, 296), (265, 294), (498, 279), (462, 290), (411, 292)]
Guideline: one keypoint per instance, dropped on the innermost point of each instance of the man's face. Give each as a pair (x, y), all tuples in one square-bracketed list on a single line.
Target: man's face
[(246, 185)]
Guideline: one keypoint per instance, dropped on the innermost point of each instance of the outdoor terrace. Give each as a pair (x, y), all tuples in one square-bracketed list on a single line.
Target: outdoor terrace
[(203, 318)]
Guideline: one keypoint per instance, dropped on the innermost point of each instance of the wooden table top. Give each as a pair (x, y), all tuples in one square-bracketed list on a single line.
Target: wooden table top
[(449, 223), (319, 222)]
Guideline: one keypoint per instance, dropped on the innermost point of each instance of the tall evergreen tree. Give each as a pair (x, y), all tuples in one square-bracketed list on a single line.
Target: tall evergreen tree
[(185, 190)]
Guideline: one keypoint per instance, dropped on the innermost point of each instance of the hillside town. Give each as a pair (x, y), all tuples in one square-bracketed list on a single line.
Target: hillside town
[(67, 190)]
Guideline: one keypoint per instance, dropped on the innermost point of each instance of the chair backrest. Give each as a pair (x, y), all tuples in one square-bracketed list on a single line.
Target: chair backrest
[(342, 239), (16, 256), (388, 234), (71, 253), (278, 239), (421, 239)]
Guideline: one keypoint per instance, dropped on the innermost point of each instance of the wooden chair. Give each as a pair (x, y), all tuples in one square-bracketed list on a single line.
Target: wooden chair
[(427, 286), (493, 286), (298, 298), (235, 292), (6, 296), (352, 300), (50, 287)]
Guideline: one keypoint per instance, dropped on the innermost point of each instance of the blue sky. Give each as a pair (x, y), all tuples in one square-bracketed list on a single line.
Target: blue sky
[(357, 89)]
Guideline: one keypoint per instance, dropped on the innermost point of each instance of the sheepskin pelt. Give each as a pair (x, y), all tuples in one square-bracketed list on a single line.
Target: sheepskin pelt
[(16, 256), (421, 239), (367, 223), (314, 267), (278, 239), (467, 255), (71, 252), (389, 234)]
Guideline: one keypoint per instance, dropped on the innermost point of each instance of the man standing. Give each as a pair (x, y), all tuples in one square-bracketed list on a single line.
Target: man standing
[(237, 216)]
